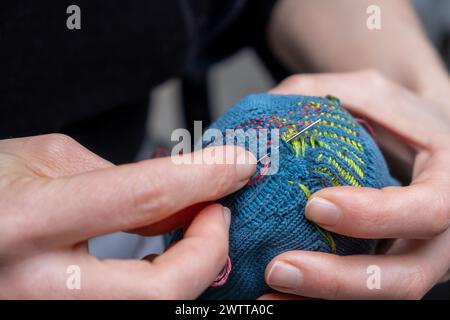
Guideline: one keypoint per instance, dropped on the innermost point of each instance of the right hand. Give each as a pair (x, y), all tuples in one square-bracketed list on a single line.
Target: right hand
[(55, 195), (414, 131)]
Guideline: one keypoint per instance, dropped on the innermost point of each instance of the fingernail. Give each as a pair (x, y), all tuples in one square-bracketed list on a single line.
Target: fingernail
[(227, 216), (246, 165), (322, 211), (284, 275)]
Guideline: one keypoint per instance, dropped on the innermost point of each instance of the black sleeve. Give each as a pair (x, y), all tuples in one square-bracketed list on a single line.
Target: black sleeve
[(94, 83)]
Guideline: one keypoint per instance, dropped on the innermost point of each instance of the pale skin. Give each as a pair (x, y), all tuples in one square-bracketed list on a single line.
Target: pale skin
[(332, 36), (408, 101), (55, 194)]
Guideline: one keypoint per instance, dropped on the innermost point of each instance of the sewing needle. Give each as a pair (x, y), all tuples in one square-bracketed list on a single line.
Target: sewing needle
[(290, 138)]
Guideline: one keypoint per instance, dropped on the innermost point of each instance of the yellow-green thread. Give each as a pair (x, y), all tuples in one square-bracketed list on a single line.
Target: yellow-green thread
[(338, 117), (300, 145), (329, 237), (324, 233), (305, 190), (296, 145), (303, 145), (340, 126), (347, 159), (334, 179), (343, 173), (347, 140), (312, 141), (353, 154)]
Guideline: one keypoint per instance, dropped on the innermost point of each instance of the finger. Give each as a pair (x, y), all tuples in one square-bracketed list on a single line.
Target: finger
[(54, 155), (374, 96), (192, 264), (392, 212), (183, 272), (131, 196), (408, 271), (416, 211), (327, 276), (75, 274)]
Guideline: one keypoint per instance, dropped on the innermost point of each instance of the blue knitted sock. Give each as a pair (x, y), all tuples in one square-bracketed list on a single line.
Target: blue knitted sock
[(268, 215)]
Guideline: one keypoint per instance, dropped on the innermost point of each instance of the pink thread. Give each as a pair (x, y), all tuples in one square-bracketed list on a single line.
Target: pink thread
[(261, 173), (222, 278)]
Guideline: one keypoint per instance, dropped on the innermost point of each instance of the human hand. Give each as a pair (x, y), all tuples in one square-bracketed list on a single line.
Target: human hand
[(416, 132), (55, 194)]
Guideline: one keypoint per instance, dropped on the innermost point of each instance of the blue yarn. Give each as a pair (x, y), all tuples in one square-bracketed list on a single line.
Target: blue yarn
[(268, 216)]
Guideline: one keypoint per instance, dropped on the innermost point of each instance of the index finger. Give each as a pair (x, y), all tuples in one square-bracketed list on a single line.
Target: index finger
[(130, 196), (370, 94)]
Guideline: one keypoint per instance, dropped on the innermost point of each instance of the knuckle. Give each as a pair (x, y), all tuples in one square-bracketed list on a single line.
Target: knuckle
[(155, 292), (193, 245), (416, 285), (57, 140), (55, 144), (376, 218), (333, 289), (375, 77), (151, 288), (223, 175), (377, 80), (306, 81), (292, 79), (440, 216), (146, 195)]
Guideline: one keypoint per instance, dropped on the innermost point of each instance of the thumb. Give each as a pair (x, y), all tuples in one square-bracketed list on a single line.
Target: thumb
[(415, 211)]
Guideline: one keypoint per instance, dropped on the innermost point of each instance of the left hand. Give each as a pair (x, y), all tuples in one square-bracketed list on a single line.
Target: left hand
[(416, 131)]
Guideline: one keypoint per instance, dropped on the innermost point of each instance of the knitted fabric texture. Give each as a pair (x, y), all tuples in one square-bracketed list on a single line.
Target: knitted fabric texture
[(268, 215)]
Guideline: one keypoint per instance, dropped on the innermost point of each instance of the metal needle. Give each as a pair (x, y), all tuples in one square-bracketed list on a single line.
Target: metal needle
[(290, 138)]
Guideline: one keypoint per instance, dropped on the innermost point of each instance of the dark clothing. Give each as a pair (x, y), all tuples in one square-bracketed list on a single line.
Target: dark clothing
[(93, 83)]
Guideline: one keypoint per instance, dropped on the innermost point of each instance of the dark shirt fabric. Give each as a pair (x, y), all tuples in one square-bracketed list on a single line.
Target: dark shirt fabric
[(93, 83)]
